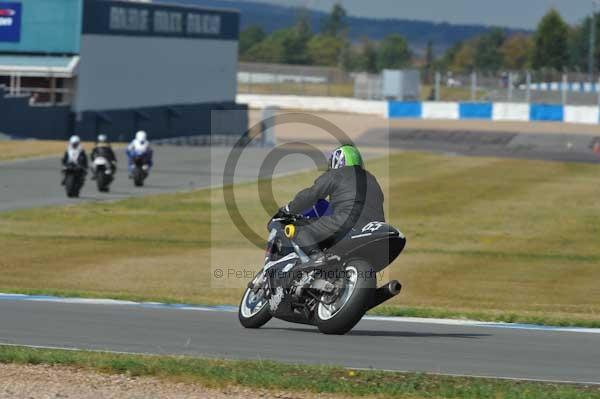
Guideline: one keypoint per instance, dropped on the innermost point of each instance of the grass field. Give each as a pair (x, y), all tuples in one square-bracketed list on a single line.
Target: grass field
[(314, 379), (16, 149), (494, 239), (347, 90), (306, 89), (31, 148)]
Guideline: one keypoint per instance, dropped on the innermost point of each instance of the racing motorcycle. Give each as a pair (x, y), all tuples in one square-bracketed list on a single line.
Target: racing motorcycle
[(74, 179), (140, 169), (103, 172), (333, 294)]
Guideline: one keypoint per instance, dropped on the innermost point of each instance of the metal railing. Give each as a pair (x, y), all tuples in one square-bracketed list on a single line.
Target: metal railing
[(43, 97), (551, 87), (258, 78), (516, 86)]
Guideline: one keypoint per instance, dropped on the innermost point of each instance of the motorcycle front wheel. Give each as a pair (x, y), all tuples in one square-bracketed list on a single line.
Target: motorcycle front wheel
[(71, 186), (338, 314), (138, 177), (254, 309)]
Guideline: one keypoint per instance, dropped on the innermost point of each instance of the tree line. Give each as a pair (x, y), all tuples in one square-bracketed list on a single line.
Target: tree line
[(300, 45), (554, 45)]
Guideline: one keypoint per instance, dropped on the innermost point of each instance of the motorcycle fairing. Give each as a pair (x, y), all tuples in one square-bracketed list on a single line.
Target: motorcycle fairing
[(377, 241)]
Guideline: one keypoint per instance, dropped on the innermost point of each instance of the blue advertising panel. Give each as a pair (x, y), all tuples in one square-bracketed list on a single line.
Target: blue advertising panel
[(405, 109), (45, 26), (473, 110), (10, 21)]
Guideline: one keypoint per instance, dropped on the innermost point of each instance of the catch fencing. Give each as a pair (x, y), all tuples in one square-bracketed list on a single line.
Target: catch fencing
[(259, 78), (540, 87)]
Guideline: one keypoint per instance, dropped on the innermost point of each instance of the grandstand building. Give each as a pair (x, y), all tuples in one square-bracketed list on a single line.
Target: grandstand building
[(90, 66)]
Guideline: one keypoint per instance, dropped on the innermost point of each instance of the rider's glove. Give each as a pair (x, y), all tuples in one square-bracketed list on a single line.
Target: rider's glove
[(282, 212)]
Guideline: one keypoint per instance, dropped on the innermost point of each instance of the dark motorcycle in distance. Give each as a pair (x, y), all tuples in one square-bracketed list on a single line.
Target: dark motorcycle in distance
[(333, 295), (103, 172), (73, 179), (139, 172)]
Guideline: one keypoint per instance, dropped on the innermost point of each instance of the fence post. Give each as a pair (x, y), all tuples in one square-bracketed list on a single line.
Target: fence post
[(279, 83), (563, 86), (250, 82), (438, 78), (473, 86), (598, 91), (528, 83), (509, 95)]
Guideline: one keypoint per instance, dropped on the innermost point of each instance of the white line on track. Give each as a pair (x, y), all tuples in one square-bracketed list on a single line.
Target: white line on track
[(232, 309)]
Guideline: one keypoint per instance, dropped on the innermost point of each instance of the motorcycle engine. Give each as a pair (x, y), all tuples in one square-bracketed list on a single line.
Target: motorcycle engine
[(304, 282)]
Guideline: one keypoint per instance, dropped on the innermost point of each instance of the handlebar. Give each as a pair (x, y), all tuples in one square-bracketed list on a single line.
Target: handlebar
[(289, 219)]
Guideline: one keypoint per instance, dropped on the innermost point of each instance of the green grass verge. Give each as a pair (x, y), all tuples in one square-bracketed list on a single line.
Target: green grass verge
[(279, 376), (488, 239)]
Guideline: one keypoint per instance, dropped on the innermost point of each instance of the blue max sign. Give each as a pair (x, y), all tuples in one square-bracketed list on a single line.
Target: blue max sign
[(10, 22)]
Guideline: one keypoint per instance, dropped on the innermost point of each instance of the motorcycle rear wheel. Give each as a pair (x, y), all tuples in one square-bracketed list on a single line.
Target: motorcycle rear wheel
[(346, 311), (103, 182)]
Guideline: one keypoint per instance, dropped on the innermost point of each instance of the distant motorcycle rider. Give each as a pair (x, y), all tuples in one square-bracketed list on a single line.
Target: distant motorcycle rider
[(74, 155), (139, 147), (355, 199), (103, 149)]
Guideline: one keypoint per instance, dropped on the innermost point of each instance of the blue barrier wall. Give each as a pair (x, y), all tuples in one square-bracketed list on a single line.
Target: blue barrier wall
[(162, 122), (401, 109), (21, 120), (546, 112), (475, 110), (494, 111), (45, 123)]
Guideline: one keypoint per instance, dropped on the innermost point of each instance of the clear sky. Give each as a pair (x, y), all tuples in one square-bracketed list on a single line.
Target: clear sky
[(510, 13)]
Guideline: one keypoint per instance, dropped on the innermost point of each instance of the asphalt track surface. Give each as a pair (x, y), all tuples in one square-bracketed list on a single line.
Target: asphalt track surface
[(521, 353), (538, 146), (36, 182), (390, 345)]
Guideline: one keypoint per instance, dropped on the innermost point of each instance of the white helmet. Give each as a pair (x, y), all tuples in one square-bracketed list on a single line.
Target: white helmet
[(74, 141), (141, 136), (102, 138)]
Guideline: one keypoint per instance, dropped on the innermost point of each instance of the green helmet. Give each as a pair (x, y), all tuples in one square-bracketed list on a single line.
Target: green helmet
[(346, 155)]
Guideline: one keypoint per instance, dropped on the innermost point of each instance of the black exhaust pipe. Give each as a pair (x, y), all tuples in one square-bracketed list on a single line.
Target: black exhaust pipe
[(385, 292)]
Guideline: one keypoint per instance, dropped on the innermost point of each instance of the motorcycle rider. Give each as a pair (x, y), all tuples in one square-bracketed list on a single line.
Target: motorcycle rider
[(74, 154), (355, 199), (139, 147), (103, 149)]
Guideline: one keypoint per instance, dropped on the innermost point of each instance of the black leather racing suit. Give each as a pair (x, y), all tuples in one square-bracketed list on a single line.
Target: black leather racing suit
[(81, 159), (354, 196), (107, 152)]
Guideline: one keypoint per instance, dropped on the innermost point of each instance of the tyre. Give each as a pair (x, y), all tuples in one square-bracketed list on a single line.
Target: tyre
[(254, 309), (138, 177), (71, 185), (102, 182), (339, 314)]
